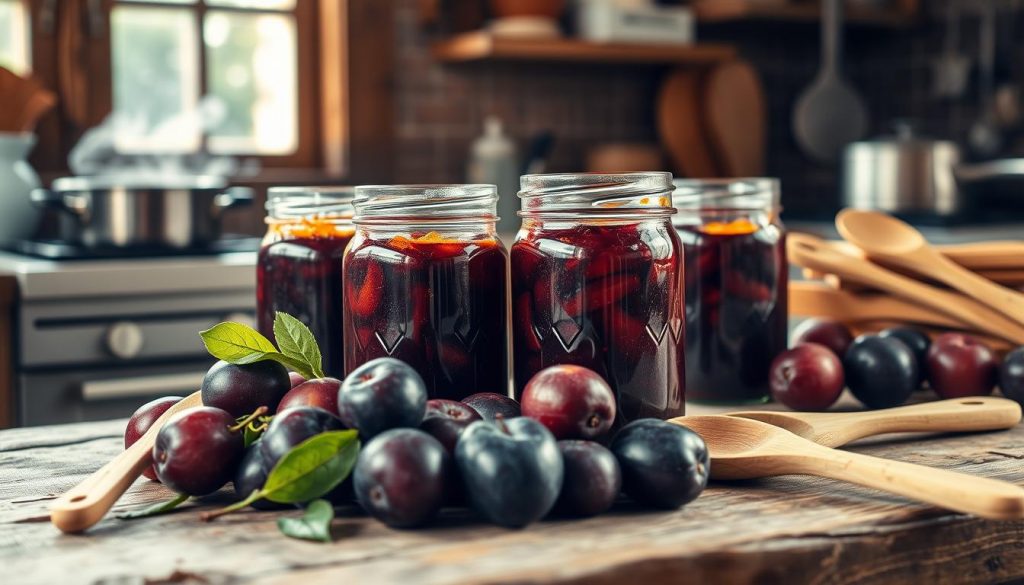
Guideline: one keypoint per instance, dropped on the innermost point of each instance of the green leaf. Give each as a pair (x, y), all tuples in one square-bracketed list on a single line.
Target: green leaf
[(155, 509), (314, 524), (297, 341), (250, 435), (237, 343), (313, 468), (233, 342)]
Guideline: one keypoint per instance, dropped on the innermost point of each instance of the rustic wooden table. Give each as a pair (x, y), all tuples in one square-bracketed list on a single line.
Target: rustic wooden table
[(785, 530)]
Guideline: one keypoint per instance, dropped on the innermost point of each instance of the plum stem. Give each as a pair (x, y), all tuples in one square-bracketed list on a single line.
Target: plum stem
[(500, 421), (245, 421), (254, 496)]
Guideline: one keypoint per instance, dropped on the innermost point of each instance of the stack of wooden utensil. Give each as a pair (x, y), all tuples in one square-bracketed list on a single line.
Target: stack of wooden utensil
[(886, 273)]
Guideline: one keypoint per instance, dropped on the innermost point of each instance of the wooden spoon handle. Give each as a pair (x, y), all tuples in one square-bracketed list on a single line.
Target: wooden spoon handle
[(819, 300), (995, 254), (981, 413), (85, 504), (981, 496)]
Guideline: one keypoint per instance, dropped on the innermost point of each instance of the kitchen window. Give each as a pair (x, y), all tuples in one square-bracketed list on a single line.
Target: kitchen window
[(226, 70), (15, 46)]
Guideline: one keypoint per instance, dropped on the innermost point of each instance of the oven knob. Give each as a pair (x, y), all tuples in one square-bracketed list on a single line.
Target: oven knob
[(124, 340), (243, 318)]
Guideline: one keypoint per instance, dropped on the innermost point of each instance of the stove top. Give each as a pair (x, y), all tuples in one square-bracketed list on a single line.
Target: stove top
[(62, 250), (122, 277)]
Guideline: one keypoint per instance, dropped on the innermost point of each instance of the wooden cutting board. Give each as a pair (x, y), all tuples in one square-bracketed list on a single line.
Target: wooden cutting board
[(735, 118), (681, 125)]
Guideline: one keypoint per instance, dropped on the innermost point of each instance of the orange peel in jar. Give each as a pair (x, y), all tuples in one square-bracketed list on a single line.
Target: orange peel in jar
[(736, 227), (310, 228)]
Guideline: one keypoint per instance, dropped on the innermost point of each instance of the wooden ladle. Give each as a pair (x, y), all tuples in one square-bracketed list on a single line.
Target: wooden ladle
[(834, 429), (888, 240), (742, 448), (812, 252), (88, 502)]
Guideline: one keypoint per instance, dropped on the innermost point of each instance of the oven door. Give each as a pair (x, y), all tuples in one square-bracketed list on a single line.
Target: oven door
[(66, 396)]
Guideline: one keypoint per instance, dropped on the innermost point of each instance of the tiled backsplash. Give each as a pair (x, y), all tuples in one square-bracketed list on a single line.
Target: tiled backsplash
[(440, 107)]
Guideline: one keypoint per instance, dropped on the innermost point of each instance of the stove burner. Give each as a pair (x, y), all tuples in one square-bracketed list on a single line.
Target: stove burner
[(61, 250)]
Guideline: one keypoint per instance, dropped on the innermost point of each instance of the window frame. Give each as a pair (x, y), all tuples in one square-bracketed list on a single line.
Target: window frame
[(345, 103)]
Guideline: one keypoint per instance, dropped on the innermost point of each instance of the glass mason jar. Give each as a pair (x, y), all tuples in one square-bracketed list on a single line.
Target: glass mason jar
[(597, 282), (427, 283), (298, 270), (736, 286)]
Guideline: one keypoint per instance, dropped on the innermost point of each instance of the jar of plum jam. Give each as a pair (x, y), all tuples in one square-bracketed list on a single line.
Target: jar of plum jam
[(736, 286), (597, 282), (426, 282), (298, 270)]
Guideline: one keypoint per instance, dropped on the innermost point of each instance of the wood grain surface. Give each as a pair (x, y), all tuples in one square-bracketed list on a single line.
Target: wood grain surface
[(785, 530)]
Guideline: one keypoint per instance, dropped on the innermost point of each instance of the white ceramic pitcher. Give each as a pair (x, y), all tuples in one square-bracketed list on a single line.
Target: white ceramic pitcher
[(19, 218)]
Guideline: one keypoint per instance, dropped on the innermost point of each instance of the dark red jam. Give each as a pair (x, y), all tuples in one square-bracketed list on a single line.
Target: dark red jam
[(298, 272), (436, 303), (736, 309), (606, 296)]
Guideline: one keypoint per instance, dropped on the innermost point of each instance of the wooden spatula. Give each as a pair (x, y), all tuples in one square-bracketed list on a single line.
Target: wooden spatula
[(735, 114), (88, 502), (742, 448), (22, 102), (835, 429), (681, 125)]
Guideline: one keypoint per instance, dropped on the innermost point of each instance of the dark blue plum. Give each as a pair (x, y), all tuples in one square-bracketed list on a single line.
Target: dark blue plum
[(293, 426), (663, 465), (401, 477), (881, 372), (1011, 375), (241, 389), (918, 342), (251, 476), (511, 469), (592, 479), (382, 394)]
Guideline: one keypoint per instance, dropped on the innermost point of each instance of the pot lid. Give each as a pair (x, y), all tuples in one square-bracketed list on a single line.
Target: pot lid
[(139, 181)]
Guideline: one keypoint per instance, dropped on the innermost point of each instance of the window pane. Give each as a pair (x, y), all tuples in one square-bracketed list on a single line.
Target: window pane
[(257, 4), (14, 37), (155, 71), (251, 68)]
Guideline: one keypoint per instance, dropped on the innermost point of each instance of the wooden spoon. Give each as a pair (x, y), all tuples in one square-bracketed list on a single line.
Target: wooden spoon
[(976, 256), (814, 299), (88, 502), (742, 448), (811, 252), (892, 241), (734, 113), (834, 429)]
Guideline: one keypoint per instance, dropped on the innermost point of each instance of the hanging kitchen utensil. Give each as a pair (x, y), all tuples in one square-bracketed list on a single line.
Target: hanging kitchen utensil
[(22, 102), (829, 114), (950, 70), (735, 112), (681, 127), (984, 136)]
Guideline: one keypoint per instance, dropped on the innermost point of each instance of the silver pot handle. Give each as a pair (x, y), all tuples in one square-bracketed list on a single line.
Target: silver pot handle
[(232, 197), (77, 205)]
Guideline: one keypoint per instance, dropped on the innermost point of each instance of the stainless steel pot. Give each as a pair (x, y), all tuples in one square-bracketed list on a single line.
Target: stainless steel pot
[(121, 212), (902, 174)]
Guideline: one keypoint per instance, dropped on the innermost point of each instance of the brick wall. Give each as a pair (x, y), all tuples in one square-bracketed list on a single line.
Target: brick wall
[(440, 108)]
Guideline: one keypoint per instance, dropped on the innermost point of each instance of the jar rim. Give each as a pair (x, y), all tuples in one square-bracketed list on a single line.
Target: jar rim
[(293, 202), (426, 203), (608, 195), (741, 194)]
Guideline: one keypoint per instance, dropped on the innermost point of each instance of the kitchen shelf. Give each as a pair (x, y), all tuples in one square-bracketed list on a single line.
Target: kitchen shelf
[(724, 11), (483, 46)]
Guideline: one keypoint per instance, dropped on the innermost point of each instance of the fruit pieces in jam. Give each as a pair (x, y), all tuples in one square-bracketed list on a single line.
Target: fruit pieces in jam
[(437, 304), (606, 297), (298, 272), (736, 298)]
